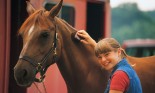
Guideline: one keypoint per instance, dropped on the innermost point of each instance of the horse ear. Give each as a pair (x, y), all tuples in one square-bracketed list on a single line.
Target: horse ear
[(55, 10), (30, 8)]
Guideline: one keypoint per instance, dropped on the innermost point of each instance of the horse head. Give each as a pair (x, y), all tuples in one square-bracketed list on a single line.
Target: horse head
[(40, 45)]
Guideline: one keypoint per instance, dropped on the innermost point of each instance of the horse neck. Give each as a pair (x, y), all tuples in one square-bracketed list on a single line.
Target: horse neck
[(77, 60), (74, 54)]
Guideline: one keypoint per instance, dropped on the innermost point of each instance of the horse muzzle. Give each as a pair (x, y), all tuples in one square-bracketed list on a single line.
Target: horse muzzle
[(23, 75)]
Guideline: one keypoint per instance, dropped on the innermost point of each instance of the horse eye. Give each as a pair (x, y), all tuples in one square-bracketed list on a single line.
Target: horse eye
[(45, 35)]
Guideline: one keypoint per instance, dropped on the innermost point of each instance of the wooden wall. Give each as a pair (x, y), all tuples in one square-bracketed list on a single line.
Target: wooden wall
[(4, 44)]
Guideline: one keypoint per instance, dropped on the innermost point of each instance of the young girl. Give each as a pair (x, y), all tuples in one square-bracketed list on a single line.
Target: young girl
[(123, 78)]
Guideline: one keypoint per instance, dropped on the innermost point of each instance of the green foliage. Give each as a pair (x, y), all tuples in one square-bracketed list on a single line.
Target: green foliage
[(128, 22)]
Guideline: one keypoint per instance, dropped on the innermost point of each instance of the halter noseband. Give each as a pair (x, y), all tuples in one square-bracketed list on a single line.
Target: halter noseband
[(40, 67)]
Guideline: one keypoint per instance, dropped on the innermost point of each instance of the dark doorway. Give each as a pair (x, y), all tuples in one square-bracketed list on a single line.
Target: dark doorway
[(18, 15), (95, 19)]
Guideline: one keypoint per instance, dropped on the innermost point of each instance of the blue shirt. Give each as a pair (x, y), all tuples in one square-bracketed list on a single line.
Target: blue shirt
[(135, 85)]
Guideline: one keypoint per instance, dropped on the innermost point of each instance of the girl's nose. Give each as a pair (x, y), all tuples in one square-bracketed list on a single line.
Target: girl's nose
[(103, 59)]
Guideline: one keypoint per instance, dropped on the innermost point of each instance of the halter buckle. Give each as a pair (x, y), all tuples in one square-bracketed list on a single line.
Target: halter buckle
[(39, 67), (55, 52)]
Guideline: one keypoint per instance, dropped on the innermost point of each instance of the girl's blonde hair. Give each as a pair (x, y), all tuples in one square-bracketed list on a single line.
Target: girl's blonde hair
[(107, 45)]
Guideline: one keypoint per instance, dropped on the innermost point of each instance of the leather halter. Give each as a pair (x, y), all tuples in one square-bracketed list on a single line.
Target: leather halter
[(40, 66)]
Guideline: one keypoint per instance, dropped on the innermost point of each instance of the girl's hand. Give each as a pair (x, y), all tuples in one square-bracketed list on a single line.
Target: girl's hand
[(85, 38)]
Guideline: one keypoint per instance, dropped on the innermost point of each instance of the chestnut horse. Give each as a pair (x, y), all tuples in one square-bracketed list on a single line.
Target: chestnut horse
[(47, 39)]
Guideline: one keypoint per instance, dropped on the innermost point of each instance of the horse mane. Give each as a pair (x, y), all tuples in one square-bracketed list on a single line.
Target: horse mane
[(85, 49), (68, 25)]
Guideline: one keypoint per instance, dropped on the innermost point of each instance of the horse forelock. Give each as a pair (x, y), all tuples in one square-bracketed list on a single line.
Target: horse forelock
[(37, 19)]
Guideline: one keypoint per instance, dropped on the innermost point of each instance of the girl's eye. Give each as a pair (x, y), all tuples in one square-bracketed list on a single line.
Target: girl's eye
[(99, 57), (106, 54)]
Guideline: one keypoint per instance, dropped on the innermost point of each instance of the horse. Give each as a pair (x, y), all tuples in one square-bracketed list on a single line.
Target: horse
[(145, 68), (49, 40)]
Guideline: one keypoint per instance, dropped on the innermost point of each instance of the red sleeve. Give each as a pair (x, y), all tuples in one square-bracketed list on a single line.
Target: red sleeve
[(119, 81)]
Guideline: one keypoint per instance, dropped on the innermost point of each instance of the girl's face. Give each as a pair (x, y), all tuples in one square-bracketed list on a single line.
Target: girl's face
[(109, 59)]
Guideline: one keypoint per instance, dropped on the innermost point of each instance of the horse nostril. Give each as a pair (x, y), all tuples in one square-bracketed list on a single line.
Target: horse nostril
[(21, 75), (24, 73)]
